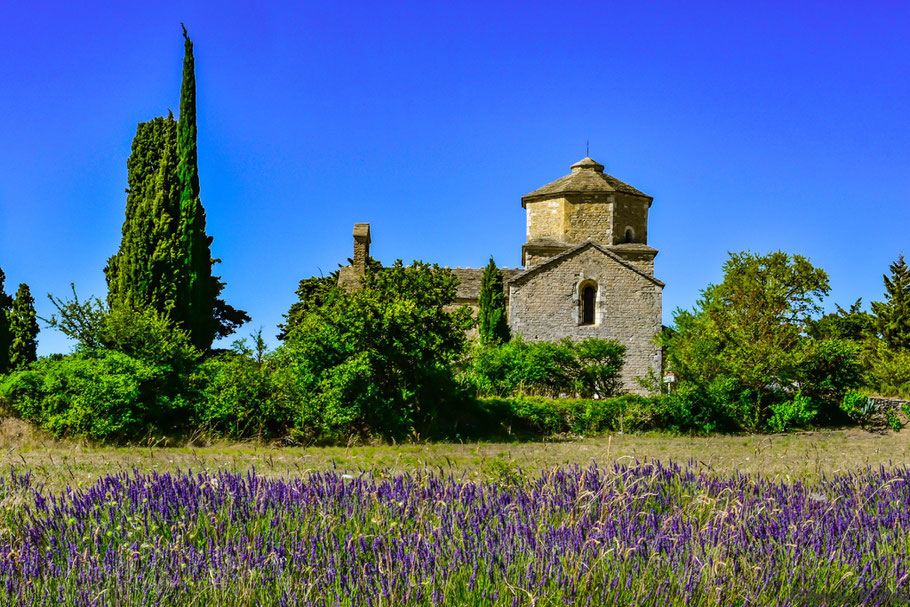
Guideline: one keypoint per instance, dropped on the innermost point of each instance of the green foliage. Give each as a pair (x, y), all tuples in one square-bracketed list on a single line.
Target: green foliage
[(852, 324), (491, 314), (81, 321), (827, 370), (894, 422), (237, 395), (128, 374), (601, 362), (892, 315), (888, 371), (793, 413), (377, 360), (539, 416), (142, 333), (23, 328), (744, 349), (164, 261), (587, 368), (106, 397), (148, 269), (6, 337), (312, 293), (858, 407)]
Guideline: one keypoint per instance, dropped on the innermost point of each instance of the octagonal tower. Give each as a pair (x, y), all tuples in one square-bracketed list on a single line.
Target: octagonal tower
[(587, 205)]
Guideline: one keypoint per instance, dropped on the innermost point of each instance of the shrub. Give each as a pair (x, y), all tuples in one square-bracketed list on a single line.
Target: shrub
[(237, 396), (893, 421), (103, 397), (829, 368), (539, 416), (378, 360), (888, 371), (858, 407), (793, 413), (590, 368)]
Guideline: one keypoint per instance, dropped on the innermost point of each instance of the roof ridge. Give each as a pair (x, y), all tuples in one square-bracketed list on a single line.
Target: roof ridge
[(578, 248)]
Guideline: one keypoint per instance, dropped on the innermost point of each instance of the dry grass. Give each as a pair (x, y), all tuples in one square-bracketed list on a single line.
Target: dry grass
[(805, 455)]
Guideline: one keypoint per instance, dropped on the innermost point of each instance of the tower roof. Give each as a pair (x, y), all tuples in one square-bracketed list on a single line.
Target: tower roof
[(587, 176)]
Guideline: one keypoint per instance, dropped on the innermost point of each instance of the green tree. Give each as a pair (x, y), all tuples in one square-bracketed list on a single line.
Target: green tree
[(6, 338), (312, 293), (892, 315), (744, 347), (148, 269), (23, 329), (378, 360), (206, 315), (852, 324), (491, 314), (164, 261)]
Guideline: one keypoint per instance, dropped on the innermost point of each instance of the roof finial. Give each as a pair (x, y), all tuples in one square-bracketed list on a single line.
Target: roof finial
[(587, 148)]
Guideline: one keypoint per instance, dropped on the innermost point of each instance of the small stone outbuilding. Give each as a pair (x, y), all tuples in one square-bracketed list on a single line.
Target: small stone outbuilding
[(588, 270)]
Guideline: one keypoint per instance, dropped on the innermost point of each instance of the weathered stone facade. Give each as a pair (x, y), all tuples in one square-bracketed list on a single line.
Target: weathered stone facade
[(588, 270), (545, 304)]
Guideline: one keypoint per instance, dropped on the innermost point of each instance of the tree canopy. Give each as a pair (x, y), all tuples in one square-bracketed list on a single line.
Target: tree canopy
[(23, 329), (165, 261), (892, 315), (744, 349), (379, 359)]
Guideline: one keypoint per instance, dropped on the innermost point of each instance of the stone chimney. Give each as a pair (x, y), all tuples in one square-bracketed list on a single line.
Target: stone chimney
[(361, 248)]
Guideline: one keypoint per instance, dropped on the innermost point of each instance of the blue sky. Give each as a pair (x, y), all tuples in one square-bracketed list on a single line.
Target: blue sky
[(756, 126)]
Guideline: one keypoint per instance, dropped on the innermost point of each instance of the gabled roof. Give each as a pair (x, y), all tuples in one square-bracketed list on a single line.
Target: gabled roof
[(577, 249), (587, 176)]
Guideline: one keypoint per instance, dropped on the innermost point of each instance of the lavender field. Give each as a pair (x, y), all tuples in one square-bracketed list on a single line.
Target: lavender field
[(642, 534)]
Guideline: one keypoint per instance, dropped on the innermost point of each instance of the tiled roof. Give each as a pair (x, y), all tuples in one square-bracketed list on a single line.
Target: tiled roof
[(587, 176)]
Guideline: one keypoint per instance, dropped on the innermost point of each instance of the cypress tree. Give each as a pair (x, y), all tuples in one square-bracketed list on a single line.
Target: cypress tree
[(146, 271), (491, 315), (24, 329), (205, 315), (892, 316), (6, 303), (164, 261)]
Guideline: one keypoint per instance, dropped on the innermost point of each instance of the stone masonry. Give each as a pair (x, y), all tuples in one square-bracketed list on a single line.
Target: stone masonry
[(588, 270), (544, 305)]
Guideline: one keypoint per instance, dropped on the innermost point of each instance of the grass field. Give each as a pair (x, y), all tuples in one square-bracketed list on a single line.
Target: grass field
[(798, 456), (808, 518)]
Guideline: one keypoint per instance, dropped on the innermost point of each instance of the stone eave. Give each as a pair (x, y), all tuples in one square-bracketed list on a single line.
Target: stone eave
[(577, 249), (551, 195), (633, 247)]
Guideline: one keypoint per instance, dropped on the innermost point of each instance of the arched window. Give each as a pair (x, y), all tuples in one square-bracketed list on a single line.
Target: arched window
[(630, 234), (588, 303)]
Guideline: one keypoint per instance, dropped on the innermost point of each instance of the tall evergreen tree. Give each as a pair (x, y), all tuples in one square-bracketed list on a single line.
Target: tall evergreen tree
[(164, 261), (893, 315), (206, 315), (491, 315), (148, 269), (24, 329), (6, 337)]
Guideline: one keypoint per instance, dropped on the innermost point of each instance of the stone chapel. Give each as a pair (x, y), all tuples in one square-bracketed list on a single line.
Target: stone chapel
[(588, 270)]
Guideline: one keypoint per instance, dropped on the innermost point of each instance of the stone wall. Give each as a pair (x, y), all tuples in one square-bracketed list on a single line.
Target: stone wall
[(630, 211), (544, 306), (589, 218), (546, 219)]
